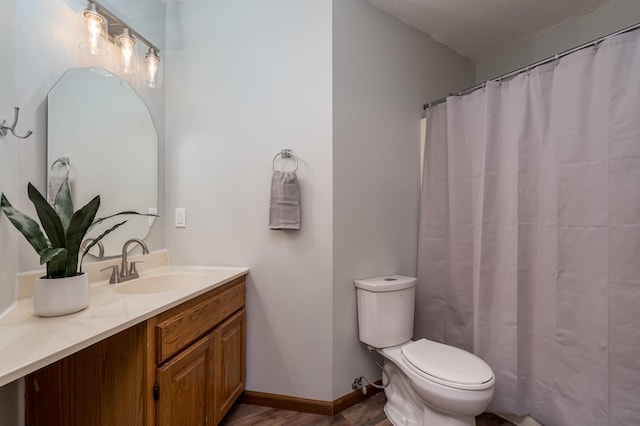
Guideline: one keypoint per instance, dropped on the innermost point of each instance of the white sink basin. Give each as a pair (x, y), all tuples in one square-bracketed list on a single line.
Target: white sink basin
[(160, 283)]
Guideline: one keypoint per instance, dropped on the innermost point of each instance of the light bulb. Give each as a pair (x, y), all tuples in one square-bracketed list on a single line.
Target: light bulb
[(95, 23), (126, 49), (152, 68)]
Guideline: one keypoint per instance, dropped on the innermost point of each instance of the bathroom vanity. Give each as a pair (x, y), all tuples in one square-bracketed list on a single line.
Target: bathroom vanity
[(152, 352), (199, 355)]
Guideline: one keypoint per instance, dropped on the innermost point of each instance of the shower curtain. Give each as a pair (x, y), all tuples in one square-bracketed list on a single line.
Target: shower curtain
[(529, 247)]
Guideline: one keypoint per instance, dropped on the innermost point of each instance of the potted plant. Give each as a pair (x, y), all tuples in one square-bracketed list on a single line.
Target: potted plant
[(65, 288)]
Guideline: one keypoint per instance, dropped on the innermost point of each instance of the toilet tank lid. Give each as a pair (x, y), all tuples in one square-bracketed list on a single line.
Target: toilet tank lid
[(386, 283)]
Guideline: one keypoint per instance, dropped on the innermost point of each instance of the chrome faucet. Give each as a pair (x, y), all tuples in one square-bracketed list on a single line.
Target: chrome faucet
[(129, 272)]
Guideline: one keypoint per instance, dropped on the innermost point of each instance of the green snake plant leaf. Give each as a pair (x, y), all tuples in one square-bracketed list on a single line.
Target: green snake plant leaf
[(102, 219), (27, 226), (49, 219), (56, 268), (63, 204), (98, 238), (52, 254), (78, 227)]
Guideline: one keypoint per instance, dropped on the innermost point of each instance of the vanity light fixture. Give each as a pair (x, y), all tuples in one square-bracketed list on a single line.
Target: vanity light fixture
[(95, 42), (104, 25), (152, 59), (127, 44)]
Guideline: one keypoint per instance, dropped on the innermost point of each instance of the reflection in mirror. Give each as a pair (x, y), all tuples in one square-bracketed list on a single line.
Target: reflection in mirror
[(104, 129)]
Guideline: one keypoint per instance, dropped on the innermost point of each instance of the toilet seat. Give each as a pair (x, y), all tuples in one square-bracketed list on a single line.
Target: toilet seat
[(447, 365)]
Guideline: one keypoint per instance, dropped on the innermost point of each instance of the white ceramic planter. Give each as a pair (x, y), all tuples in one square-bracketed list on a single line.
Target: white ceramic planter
[(53, 297)]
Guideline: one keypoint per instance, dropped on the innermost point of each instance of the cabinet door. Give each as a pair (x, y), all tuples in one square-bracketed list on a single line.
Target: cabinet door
[(229, 362), (186, 387)]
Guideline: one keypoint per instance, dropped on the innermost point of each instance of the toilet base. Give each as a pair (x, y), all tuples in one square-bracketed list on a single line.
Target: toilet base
[(405, 408)]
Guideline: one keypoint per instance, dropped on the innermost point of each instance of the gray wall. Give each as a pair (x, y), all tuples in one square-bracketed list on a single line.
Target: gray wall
[(383, 71), (609, 18), (246, 79)]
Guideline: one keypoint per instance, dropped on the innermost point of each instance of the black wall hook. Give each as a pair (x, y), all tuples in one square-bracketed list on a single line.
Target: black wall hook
[(4, 127)]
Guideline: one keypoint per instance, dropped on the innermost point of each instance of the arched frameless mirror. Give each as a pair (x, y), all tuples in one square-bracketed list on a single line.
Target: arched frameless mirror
[(98, 122)]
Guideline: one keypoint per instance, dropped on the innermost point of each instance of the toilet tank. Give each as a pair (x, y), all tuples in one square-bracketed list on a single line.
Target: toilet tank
[(385, 310)]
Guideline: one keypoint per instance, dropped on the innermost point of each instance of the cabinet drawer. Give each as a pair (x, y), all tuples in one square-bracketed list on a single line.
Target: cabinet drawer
[(188, 323)]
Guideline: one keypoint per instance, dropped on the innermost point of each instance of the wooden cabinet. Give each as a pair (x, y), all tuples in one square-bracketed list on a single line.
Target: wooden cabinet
[(183, 356), (185, 366), (229, 358), (185, 386)]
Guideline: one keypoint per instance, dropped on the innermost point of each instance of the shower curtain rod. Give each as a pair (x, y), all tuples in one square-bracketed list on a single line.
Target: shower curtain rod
[(531, 66)]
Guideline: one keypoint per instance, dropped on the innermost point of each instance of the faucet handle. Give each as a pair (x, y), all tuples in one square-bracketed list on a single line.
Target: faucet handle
[(115, 274), (132, 267)]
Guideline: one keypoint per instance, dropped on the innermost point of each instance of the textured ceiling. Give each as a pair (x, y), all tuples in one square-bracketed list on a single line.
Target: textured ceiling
[(474, 28)]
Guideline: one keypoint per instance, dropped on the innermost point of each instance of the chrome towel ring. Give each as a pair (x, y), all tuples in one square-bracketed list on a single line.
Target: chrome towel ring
[(64, 161), (285, 153)]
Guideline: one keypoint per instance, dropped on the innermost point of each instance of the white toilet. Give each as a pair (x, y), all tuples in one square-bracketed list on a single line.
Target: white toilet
[(430, 383)]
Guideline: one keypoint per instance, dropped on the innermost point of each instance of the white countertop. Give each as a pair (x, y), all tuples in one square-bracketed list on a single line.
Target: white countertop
[(29, 342)]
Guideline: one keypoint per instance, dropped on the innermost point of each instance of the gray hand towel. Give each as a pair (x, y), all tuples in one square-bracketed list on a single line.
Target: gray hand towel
[(284, 208)]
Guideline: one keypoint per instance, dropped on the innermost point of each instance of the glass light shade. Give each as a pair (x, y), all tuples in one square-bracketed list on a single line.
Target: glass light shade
[(128, 58), (96, 38), (152, 60)]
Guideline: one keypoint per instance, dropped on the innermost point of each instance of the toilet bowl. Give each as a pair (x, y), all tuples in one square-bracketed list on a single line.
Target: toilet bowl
[(435, 384), (430, 383)]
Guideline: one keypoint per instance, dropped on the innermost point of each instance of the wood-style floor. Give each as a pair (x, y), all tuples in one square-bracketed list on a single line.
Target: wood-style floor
[(367, 413)]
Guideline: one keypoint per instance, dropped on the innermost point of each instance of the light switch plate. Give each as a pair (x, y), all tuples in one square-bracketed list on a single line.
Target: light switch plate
[(181, 217)]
